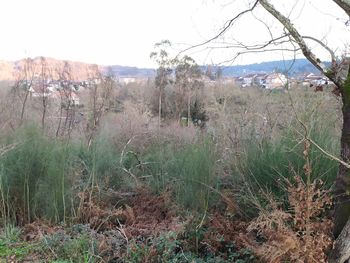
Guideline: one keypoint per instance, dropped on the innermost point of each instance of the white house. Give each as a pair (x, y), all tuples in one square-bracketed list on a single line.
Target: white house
[(256, 79), (316, 80), (126, 80), (275, 81)]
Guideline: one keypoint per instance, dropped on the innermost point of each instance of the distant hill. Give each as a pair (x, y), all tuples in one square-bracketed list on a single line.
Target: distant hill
[(80, 70), (123, 71), (291, 67)]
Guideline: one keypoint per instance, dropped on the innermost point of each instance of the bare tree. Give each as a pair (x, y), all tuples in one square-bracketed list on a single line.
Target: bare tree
[(188, 78), (22, 87), (339, 74), (101, 89), (161, 57), (67, 107), (29, 73), (45, 75)]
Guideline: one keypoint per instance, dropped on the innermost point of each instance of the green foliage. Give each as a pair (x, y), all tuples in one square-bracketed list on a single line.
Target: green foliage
[(101, 164), (19, 251), (198, 114), (41, 176), (11, 245), (170, 248), (36, 177), (270, 163), (161, 57), (165, 248), (12, 233), (187, 73), (62, 247), (188, 82), (189, 171)]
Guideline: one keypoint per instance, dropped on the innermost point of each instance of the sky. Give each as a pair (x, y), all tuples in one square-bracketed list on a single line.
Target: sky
[(123, 32)]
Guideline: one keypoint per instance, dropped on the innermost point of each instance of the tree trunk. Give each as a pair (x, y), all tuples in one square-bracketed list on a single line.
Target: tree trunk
[(60, 119), (44, 101), (341, 251), (188, 110), (159, 109), (24, 106), (342, 184)]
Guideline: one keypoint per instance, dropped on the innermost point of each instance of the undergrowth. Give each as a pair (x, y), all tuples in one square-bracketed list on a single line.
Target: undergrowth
[(189, 172), (268, 164), (158, 198), (301, 233)]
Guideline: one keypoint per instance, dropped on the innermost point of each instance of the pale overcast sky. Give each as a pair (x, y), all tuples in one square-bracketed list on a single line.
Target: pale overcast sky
[(124, 32)]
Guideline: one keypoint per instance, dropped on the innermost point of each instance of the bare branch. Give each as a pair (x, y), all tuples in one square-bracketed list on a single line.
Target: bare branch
[(226, 27), (297, 37), (121, 161), (256, 46), (330, 156), (258, 51), (331, 52)]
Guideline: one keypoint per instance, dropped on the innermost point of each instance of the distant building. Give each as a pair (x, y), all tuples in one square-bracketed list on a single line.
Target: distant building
[(54, 91), (258, 79), (275, 81), (316, 80), (267, 81), (247, 80), (41, 90), (126, 80)]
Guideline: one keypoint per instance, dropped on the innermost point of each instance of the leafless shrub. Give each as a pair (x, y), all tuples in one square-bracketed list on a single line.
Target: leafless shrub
[(101, 88), (67, 107)]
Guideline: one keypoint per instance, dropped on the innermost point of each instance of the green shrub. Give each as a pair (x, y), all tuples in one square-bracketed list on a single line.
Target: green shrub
[(64, 248), (170, 248), (41, 176), (11, 245), (187, 171), (101, 164), (36, 177), (268, 164)]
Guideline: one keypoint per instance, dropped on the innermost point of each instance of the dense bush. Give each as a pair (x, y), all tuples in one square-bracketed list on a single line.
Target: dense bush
[(41, 176)]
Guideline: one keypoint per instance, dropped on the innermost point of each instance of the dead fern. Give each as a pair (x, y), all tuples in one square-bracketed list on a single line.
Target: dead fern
[(301, 234), (99, 217)]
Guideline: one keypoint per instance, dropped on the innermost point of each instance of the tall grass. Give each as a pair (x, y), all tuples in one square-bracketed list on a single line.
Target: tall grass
[(187, 171), (100, 164), (269, 164), (36, 177), (41, 176)]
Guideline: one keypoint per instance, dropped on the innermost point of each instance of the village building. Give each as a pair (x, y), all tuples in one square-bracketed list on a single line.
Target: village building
[(267, 81), (54, 91), (275, 81)]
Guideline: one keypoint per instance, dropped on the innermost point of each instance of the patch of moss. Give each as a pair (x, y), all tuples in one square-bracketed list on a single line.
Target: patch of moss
[(329, 73), (17, 251)]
